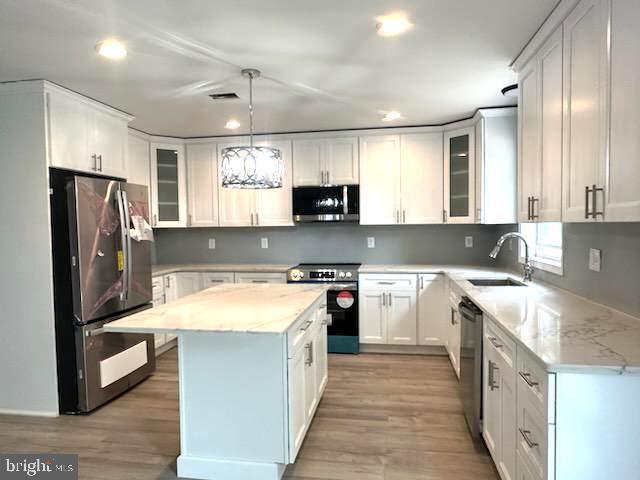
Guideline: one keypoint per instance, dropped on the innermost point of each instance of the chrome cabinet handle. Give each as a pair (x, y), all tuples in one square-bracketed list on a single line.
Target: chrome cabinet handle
[(257, 219), (252, 219), (528, 208), (155, 219), (534, 201), (309, 348), (527, 439), (190, 220), (587, 213), (100, 160), (494, 342), (307, 324), (328, 320), (491, 380), (421, 283), (94, 157), (259, 281), (386, 283), (404, 216), (389, 299), (397, 216), (594, 193), (216, 280), (444, 216), (328, 177), (527, 378), (384, 299)]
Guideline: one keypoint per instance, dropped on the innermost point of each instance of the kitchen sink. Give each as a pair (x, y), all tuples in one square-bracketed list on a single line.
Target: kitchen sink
[(495, 282)]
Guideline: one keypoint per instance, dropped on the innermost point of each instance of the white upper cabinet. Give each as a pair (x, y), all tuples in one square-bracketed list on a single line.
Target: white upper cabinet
[(202, 185), (341, 160), (459, 175), (401, 179), (86, 136), (272, 207), (138, 160), (496, 166), (586, 111), (322, 161), (379, 179), (421, 188), (547, 205), (168, 185), (622, 195), (529, 137)]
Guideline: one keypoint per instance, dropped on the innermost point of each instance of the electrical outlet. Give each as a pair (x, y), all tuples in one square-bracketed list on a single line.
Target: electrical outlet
[(212, 244), (468, 242), (371, 242), (264, 243), (595, 259)]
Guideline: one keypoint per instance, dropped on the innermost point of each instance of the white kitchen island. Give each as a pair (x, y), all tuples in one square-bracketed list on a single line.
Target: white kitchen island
[(252, 370)]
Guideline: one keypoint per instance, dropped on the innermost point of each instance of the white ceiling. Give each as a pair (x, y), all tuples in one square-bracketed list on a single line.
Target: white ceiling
[(325, 67)]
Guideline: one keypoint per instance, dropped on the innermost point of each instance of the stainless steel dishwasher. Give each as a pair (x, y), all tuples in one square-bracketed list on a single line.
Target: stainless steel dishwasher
[(471, 364)]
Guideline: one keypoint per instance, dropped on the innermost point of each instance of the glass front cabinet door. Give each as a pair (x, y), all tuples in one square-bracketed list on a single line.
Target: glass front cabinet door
[(168, 185), (459, 195)]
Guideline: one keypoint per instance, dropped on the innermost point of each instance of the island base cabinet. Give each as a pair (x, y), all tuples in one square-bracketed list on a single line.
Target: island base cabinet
[(247, 413)]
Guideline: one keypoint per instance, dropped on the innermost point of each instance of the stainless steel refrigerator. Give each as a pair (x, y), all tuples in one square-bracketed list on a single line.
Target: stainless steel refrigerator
[(102, 271)]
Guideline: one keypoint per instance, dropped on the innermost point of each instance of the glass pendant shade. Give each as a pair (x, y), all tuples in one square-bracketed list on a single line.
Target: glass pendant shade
[(252, 167)]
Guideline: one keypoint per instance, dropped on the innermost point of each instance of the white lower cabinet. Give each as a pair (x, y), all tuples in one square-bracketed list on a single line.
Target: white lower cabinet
[(188, 283), (454, 331), (211, 279), (307, 376), (388, 309), (432, 310)]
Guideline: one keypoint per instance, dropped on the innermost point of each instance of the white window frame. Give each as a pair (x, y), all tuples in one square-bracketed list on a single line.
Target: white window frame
[(541, 263)]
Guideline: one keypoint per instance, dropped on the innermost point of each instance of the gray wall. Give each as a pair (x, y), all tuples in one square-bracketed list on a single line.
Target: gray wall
[(618, 282), (328, 243)]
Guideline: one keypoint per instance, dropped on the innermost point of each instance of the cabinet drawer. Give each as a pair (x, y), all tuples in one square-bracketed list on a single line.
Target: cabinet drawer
[(535, 383), (505, 347), (157, 283), (388, 281), (210, 279), (303, 327), (535, 439), (248, 277)]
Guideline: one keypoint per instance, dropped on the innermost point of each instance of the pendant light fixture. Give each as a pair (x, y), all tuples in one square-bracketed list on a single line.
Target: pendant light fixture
[(248, 166)]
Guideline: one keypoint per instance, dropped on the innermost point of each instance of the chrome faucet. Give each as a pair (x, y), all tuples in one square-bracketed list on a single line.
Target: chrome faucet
[(528, 268)]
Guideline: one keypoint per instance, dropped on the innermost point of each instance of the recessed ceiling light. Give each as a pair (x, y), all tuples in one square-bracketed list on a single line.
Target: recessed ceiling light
[(232, 124), (393, 24), (112, 49), (391, 116)]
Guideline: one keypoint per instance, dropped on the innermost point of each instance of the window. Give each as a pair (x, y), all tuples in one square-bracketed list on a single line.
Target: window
[(545, 245)]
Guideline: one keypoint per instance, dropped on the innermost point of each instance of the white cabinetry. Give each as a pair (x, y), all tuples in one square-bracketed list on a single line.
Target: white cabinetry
[(307, 376), (139, 169), (496, 166), (211, 279), (270, 207), (253, 277), (379, 179), (401, 179), (432, 310), (622, 185), (85, 135), (585, 123), (322, 161), (188, 283), (168, 185), (459, 175), (540, 133), (454, 332), (388, 309), (202, 185)]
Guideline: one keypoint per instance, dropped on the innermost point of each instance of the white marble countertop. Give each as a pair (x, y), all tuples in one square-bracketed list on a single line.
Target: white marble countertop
[(248, 308), (221, 267), (564, 331)]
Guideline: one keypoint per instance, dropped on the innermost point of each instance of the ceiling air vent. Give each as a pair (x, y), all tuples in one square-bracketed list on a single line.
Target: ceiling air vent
[(223, 96)]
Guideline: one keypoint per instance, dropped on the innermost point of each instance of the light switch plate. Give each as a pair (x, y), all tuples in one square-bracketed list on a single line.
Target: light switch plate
[(595, 259), (371, 242), (264, 243), (212, 244), (468, 242)]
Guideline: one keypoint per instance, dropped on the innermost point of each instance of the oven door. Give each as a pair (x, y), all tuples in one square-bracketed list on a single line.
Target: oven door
[(342, 306), (326, 204)]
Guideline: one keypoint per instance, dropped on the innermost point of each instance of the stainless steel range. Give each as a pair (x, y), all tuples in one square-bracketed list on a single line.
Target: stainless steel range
[(342, 300)]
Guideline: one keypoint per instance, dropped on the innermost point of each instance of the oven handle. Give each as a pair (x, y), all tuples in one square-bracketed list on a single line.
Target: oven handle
[(343, 286)]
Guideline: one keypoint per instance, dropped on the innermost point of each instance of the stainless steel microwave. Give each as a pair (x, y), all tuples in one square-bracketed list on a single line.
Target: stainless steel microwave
[(335, 203)]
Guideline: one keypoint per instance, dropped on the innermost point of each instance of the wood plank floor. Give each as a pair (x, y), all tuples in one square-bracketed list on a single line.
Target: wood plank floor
[(383, 417)]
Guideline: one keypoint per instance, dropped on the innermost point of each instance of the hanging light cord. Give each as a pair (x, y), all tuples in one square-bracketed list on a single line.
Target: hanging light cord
[(251, 109)]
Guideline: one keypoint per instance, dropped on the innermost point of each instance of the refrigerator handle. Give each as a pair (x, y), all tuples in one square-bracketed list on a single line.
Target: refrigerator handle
[(123, 237), (128, 260)]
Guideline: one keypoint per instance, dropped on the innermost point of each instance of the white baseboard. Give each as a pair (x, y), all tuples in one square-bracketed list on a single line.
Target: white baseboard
[(166, 347), (29, 413), (207, 468), (402, 349)]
